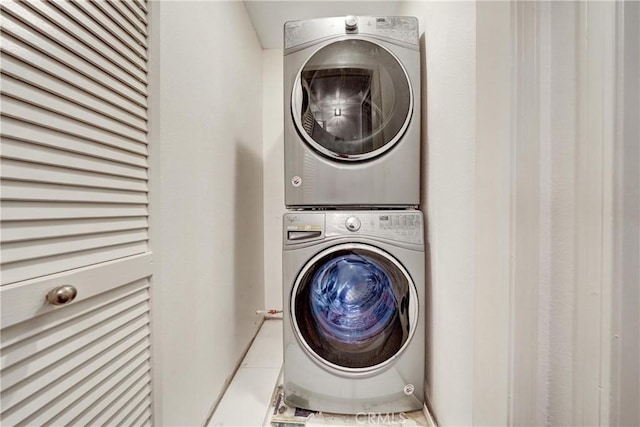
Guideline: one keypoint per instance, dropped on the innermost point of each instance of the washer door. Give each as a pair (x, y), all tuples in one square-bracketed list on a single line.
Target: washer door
[(352, 100), (354, 308)]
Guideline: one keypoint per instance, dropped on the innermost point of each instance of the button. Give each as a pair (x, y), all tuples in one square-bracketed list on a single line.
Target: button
[(352, 223), (409, 389), (350, 23)]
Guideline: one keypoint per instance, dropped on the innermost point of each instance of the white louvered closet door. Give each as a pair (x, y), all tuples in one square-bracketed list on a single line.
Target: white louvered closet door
[(74, 212)]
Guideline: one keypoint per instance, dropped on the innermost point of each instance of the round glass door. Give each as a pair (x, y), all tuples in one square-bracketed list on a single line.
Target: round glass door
[(352, 100), (354, 307)]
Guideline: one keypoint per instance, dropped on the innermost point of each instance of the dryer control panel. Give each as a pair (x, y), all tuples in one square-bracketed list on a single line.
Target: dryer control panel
[(399, 29)]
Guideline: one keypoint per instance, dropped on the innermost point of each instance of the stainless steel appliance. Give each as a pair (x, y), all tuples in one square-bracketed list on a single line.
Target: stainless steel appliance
[(352, 112), (354, 337)]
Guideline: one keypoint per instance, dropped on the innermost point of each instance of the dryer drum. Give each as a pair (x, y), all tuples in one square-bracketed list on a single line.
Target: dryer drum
[(352, 100), (351, 307)]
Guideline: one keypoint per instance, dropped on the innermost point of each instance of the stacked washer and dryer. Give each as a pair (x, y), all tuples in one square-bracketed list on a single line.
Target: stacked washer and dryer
[(353, 239)]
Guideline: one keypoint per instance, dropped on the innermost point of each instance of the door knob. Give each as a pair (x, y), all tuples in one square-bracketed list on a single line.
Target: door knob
[(62, 295)]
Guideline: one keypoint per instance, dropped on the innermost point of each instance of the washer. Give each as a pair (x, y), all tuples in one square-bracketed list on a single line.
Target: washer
[(352, 112), (354, 335)]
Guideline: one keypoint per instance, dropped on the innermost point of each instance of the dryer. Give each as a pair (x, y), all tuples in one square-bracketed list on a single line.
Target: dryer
[(354, 334), (352, 112)]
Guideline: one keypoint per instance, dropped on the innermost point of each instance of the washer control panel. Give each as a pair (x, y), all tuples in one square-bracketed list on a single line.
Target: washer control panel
[(401, 226)]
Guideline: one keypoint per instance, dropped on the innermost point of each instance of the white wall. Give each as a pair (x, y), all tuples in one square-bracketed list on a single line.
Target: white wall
[(625, 356), (448, 128), (492, 239), (207, 205), (273, 157)]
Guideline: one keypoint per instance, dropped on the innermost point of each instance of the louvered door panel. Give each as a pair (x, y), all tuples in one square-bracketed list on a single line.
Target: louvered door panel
[(74, 191), (45, 25), (48, 371), (73, 148)]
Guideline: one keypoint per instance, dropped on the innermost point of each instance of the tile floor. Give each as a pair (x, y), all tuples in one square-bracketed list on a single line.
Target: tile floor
[(248, 398)]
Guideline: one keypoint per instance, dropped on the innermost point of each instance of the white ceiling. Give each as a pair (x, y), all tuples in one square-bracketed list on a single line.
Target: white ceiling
[(268, 17)]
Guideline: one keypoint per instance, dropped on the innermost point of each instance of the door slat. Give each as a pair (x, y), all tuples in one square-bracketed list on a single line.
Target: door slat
[(35, 269), (29, 191), (20, 231), (18, 150), (25, 171)]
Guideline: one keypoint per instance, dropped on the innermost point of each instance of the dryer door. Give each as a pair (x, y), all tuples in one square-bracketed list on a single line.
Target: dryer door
[(352, 100), (354, 308)]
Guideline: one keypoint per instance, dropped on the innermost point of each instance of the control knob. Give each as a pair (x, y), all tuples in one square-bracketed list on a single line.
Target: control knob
[(351, 23), (352, 223)]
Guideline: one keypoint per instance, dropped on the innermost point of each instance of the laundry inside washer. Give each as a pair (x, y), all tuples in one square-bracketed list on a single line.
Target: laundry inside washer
[(356, 315)]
